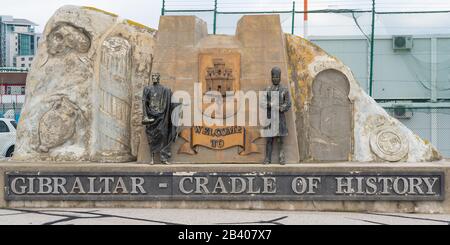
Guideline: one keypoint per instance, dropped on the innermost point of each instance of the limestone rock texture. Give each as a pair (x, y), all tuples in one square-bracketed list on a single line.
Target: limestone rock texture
[(84, 90), (338, 121)]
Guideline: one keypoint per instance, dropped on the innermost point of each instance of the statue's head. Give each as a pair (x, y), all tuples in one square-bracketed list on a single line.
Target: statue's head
[(156, 77), (276, 76)]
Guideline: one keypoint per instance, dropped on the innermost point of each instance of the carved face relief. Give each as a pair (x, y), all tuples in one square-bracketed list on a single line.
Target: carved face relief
[(117, 45), (66, 38)]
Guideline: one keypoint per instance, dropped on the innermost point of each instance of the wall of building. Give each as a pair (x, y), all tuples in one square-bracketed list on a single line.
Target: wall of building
[(397, 74), (12, 91), (24, 61), (17, 40)]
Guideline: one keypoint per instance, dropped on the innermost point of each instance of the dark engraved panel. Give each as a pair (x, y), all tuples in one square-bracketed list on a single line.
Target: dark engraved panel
[(369, 186)]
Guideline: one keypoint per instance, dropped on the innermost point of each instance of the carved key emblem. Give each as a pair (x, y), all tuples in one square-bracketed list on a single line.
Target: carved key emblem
[(57, 125)]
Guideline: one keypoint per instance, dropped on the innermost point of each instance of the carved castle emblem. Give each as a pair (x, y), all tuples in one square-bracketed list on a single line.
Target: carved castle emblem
[(218, 75), (219, 78)]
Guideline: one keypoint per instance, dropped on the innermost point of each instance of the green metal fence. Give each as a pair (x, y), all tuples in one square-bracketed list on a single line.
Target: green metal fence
[(289, 9), (418, 78)]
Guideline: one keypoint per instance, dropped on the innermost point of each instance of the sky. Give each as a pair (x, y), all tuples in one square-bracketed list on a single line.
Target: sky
[(148, 12), (39, 11)]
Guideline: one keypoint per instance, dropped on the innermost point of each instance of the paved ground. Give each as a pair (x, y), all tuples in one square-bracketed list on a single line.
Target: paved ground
[(208, 217)]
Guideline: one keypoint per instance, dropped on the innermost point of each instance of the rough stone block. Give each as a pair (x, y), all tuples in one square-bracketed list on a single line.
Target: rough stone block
[(85, 88), (339, 121)]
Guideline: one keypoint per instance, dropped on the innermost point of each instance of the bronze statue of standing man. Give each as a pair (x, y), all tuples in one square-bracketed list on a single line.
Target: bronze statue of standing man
[(278, 101), (160, 130)]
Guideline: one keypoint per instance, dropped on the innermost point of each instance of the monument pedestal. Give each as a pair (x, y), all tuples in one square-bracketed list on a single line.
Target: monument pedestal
[(352, 187)]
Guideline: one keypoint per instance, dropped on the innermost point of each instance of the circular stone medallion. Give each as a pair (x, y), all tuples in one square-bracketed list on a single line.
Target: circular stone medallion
[(389, 143)]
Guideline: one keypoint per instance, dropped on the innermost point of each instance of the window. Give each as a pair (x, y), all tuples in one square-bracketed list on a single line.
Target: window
[(22, 90), (26, 44), (8, 90), (14, 124), (30, 59), (3, 127), (23, 65), (22, 59)]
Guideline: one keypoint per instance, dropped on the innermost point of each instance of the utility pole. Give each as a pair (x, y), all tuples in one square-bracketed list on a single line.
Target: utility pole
[(215, 17), (372, 43), (293, 18), (163, 9)]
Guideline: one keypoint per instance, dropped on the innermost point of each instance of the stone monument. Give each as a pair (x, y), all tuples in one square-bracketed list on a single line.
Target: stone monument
[(85, 89), (81, 141)]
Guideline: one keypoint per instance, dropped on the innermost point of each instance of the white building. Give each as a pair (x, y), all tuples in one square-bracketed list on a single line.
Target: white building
[(18, 42)]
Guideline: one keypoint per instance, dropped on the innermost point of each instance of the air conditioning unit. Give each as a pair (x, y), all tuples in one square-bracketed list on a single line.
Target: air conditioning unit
[(402, 112), (402, 42)]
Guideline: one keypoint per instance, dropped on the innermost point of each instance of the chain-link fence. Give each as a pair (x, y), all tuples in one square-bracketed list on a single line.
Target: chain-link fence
[(321, 20), (429, 123), (398, 50)]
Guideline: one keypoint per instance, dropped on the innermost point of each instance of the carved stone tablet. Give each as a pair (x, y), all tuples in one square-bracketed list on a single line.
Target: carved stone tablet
[(330, 118), (114, 97)]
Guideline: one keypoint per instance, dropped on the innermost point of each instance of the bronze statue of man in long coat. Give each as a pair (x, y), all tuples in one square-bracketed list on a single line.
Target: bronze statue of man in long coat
[(277, 129), (158, 108)]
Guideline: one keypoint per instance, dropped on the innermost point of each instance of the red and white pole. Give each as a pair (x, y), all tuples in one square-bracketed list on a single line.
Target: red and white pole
[(305, 19)]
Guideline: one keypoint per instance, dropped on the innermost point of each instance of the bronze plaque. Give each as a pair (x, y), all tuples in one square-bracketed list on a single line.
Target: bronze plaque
[(225, 186), (220, 138)]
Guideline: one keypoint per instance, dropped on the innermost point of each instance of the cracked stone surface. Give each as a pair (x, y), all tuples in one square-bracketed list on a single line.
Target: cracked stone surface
[(204, 217), (84, 90)]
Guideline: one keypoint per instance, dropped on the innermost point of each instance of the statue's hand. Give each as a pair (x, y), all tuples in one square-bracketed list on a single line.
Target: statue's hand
[(147, 120)]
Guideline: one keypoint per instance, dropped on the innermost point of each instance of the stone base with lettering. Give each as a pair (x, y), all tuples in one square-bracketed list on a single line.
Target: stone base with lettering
[(377, 187)]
